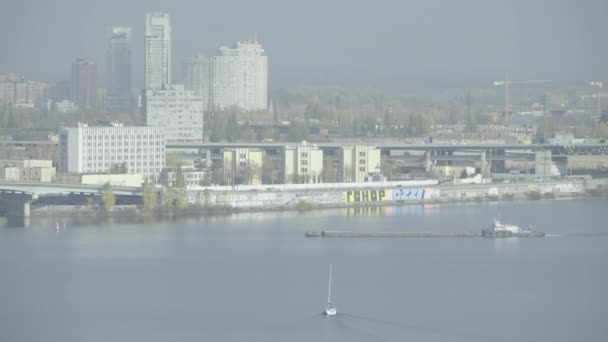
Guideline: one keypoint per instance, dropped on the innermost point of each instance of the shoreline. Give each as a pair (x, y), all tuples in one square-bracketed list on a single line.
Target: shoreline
[(138, 213)]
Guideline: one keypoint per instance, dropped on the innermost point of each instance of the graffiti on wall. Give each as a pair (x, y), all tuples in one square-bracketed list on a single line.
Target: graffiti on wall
[(405, 194), (365, 196)]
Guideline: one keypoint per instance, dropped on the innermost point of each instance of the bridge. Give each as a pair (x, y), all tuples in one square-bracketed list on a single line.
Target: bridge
[(491, 157), (599, 148), (16, 198)]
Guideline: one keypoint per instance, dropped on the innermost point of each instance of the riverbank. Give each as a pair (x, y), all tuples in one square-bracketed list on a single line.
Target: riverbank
[(217, 203)]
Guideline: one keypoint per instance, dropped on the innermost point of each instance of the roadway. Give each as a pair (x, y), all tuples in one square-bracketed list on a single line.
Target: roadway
[(42, 189), (395, 146)]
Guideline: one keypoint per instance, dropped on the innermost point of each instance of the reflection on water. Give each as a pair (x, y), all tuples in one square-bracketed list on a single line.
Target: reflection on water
[(507, 244), (403, 210), (366, 211), (379, 211), (15, 221)]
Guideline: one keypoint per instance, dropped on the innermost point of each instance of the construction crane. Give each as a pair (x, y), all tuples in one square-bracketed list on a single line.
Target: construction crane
[(506, 83)]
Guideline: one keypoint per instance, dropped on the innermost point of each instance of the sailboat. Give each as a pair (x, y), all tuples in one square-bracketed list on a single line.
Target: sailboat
[(330, 309)]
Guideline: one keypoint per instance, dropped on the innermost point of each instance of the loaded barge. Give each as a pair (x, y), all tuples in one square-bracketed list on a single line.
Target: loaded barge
[(344, 233), (499, 230)]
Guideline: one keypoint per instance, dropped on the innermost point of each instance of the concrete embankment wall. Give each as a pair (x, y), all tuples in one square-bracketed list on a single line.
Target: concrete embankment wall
[(273, 198)]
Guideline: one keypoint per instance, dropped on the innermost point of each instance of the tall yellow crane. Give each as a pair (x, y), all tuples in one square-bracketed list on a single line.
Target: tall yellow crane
[(506, 83)]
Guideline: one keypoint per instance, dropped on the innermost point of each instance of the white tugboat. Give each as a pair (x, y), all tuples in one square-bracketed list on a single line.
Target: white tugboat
[(509, 230), (330, 309)]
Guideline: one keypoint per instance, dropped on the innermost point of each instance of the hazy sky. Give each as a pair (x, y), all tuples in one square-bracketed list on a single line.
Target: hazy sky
[(312, 40)]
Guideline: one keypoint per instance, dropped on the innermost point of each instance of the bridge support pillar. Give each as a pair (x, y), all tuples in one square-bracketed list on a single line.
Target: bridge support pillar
[(16, 206), (543, 164), (427, 162), (484, 167)]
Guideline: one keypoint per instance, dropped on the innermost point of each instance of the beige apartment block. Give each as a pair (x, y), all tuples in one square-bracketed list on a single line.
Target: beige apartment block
[(243, 166), (359, 162)]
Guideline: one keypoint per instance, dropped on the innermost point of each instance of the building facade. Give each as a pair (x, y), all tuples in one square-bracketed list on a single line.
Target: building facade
[(303, 164), (359, 162), (157, 56), (191, 175), (243, 166), (65, 106), (83, 86), (17, 91), (197, 77), (100, 149), (178, 111), (27, 170), (236, 76), (118, 71)]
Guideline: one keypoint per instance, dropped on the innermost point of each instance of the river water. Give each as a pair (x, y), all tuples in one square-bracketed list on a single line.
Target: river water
[(255, 277)]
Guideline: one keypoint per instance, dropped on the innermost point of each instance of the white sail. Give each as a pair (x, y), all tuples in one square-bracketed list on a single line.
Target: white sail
[(330, 310)]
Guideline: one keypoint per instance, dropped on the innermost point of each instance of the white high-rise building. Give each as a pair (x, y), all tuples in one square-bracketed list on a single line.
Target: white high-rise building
[(99, 149), (178, 111), (235, 76), (157, 59)]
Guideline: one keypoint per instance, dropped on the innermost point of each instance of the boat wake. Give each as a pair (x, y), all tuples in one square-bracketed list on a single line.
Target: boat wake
[(587, 234), (423, 329)]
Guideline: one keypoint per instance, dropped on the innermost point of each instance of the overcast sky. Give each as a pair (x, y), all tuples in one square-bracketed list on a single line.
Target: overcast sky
[(321, 40)]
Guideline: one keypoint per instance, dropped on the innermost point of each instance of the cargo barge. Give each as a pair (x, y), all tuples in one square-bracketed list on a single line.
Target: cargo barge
[(499, 230), (343, 233)]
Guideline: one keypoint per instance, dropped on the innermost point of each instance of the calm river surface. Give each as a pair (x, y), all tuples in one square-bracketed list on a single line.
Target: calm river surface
[(255, 277)]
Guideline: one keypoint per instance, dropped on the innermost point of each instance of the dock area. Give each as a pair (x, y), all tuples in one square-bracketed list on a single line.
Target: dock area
[(352, 234)]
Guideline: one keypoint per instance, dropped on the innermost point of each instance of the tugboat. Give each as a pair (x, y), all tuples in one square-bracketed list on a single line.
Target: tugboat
[(509, 230)]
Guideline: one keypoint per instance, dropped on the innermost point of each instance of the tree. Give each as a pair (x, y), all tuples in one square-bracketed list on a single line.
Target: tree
[(174, 160), (601, 130), (206, 197), (180, 180), (163, 178), (248, 135), (464, 174), (149, 196), (387, 168), (471, 124), (547, 127), (180, 198), (268, 171), (253, 172), (180, 195), (119, 168), (298, 132), (329, 171), (108, 197)]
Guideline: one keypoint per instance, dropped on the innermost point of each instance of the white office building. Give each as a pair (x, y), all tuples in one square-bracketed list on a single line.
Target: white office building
[(178, 111), (157, 58), (99, 149), (236, 76)]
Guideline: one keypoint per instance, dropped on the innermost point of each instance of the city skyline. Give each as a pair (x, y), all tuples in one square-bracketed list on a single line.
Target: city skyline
[(437, 42)]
